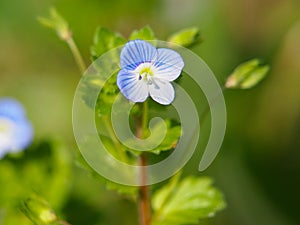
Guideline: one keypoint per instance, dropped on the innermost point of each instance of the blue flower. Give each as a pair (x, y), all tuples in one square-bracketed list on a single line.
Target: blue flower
[(15, 130), (146, 71)]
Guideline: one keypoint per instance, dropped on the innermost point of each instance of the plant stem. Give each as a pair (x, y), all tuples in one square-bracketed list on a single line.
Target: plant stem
[(144, 192), (145, 119), (78, 58)]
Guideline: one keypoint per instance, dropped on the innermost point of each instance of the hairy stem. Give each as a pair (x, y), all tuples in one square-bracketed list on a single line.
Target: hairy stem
[(144, 192), (145, 119), (76, 53)]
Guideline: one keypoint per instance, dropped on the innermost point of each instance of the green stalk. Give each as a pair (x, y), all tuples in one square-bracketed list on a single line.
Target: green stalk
[(76, 53), (144, 191), (145, 119)]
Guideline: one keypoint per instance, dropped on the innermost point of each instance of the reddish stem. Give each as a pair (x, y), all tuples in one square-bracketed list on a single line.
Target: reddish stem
[(144, 206), (144, 194)]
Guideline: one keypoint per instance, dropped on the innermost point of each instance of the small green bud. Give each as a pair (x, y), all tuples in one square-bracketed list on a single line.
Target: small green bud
[(38, 211), (57, 23), (186, 37), (247, 75)]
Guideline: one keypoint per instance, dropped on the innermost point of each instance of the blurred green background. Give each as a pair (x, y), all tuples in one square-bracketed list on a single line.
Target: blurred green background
[(258, 168)]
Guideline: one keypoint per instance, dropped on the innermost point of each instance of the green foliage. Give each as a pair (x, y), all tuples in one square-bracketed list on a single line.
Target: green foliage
[(25, 173), (117, 150), (172, 136), (247, 75), (145, 33), (57, 23), (186, 202), (109, 91), (129, 191), (107, 96), (105, 40), (186, 37), (91, 85)]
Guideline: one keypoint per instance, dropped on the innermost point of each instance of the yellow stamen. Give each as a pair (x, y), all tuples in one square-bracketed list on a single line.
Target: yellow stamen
[(146, 71)]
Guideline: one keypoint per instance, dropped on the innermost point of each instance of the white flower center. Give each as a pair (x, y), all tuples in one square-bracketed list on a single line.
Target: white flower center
[(6, 133), (146, 72)]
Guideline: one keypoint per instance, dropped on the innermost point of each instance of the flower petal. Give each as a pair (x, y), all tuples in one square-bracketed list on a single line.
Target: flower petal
[(131, 87), (11, 108), (16, 132), (169, 64), (161, 91), (136, 52), (15, 136), (23, 136)]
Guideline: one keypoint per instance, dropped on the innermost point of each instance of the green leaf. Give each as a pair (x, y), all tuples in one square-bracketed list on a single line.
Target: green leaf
[(57, 23), (145, 33), (172, 136), (91, 85), (110, 185), (105, 40), (186, 202), (129, 191), (163, 195), (186, 37), (107, 96), (168, 143), (247, 75), (42, 168)]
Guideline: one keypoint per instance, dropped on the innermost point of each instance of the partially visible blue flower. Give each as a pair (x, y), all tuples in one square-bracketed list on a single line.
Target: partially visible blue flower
[(146, 71), (16, 132)]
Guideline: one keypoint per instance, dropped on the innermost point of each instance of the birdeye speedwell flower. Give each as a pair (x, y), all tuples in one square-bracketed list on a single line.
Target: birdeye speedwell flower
[(146, 71), (15, 130)]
